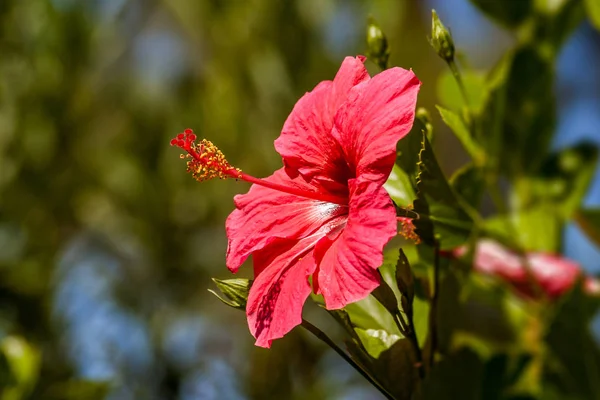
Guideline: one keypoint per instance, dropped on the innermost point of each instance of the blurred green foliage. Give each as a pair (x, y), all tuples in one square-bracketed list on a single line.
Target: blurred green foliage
[(107, 246)]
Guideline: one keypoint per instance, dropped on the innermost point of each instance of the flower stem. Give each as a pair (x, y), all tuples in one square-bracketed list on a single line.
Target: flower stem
[(458, 77), (325, 339)]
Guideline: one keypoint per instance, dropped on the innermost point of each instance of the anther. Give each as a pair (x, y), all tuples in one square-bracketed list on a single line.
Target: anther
[(205, 160)]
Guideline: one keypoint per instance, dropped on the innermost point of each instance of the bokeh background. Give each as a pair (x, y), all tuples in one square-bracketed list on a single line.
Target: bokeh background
[(107, 246)]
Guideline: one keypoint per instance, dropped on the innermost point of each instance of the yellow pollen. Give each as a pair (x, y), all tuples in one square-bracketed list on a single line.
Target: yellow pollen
[(408, 230), (210, 163)]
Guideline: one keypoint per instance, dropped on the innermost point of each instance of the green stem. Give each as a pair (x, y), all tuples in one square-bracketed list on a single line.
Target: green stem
[(434, 302), (412, 337), (458, 77), (325, 339)]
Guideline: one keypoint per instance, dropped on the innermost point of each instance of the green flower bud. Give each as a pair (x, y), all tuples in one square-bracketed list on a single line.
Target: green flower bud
[(441, 39), (377, 45), (235, 291)]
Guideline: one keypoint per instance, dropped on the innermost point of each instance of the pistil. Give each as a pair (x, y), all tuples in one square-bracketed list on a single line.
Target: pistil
[(206, 161)]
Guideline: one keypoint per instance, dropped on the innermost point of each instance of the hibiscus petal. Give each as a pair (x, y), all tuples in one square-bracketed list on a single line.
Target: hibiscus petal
[(305, 143), (377, 114), (556, 275), (280, 289), (348, 260), (264, 214)]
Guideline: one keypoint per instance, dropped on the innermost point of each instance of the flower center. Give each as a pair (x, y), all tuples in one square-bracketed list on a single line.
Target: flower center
[(205, 161)]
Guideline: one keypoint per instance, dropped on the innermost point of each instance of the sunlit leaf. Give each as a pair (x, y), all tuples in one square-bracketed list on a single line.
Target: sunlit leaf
[(537, 228), (400, 187), (460, 129), (449, 92), (370, 314), (376, 340)]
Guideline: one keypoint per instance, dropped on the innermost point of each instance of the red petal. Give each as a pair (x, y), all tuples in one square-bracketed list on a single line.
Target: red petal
[(264, 214), (494, 259), (378, 113), (279, 291), (348, 262), (556, 275), (305, 143)]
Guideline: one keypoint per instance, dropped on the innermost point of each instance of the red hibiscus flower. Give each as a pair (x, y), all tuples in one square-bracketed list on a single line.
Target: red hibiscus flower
[(555, 275), (326, 214)]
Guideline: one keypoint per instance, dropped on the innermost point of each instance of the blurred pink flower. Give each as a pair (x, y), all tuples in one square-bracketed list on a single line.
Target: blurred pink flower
[(554, 274)]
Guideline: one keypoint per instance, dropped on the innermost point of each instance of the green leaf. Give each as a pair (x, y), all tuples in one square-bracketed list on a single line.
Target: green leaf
[(24, 362), (236, 291), (386, 297), (593, 11), (499, 73), (450, 96), (468, 183), (530, 111), (507, 13), (577, 356), (571, 172), (370, 314), (589, 221), (405, 279), (460, 129), (546, 201), (421, 308), (376, 340), (408, 152), (442, 217), (538, 228), (400, 187)]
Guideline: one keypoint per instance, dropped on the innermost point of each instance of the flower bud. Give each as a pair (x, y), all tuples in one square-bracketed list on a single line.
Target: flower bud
[(236, 291), (441, 39), (378, 50), (555, 275)]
